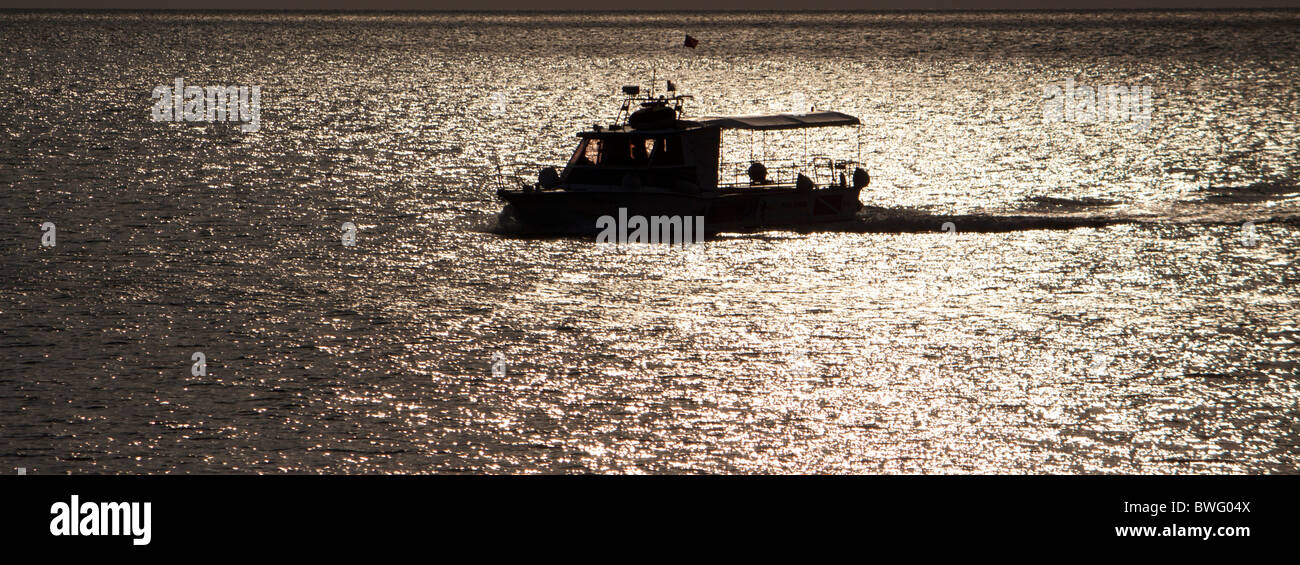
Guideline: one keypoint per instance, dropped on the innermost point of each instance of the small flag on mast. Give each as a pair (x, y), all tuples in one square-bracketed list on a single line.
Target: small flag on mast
[(691, 41)]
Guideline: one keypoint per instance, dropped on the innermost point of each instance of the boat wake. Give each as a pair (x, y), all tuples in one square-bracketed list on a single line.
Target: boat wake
[(1259, 203)]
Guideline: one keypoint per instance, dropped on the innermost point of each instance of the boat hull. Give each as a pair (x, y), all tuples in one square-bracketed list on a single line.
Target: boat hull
[(562, 211)]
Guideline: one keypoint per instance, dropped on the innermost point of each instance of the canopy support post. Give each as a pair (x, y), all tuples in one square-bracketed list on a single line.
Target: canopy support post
[(859, 130)]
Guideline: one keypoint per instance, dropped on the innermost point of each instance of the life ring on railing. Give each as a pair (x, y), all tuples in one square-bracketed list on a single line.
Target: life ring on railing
[(757, 173), (861, 178)]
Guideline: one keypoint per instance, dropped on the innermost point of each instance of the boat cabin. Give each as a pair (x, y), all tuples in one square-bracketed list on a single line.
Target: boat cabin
[(683, 160), (654, 148)]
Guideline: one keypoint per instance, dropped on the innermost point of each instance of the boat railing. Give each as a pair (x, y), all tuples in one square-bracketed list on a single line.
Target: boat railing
[(821, 170), (513, 176)]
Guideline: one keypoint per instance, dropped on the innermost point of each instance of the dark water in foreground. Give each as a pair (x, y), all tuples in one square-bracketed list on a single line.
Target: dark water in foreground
[(1099, 308)]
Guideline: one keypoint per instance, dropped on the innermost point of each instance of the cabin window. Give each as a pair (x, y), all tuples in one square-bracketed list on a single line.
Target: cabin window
[(665, 151), (590, 153), (630, 152), (605, 160), (626, 152)]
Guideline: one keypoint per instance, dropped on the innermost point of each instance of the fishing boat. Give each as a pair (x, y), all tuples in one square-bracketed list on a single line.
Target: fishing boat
[(652, 161)]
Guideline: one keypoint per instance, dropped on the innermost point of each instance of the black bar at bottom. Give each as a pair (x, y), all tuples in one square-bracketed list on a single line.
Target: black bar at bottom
[(327, 514)]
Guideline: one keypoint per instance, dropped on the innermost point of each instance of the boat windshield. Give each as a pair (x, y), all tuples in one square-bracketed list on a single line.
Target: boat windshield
[(653, 160), (629, 152)]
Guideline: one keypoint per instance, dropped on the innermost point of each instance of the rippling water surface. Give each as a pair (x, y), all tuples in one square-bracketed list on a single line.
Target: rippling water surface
[(1098, 308)]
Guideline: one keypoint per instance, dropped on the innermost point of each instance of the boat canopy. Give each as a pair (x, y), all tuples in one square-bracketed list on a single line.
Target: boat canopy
[(781, 121)]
